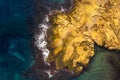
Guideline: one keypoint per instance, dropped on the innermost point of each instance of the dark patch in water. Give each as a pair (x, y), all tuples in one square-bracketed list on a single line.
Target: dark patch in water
[(15, 50)]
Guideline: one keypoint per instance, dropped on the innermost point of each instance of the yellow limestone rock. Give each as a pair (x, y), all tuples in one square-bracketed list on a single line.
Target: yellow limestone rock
[(72, 36)]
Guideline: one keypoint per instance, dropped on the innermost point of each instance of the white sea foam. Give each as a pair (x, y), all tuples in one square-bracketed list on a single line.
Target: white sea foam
[(40, 39), (47, 18), (49, 73), (41, 44), (62, 9)]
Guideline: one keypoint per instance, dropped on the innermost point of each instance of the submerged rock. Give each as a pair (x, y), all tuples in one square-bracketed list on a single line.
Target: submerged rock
[(105, 65)]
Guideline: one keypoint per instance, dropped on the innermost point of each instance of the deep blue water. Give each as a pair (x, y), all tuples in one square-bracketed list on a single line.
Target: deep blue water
[(15, 50), (15, 37)]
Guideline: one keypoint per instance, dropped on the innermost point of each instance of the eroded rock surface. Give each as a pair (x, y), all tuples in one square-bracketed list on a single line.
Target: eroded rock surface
[(72, 35)]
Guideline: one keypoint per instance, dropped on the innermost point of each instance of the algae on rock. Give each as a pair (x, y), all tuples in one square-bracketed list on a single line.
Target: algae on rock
[(73, 34)]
